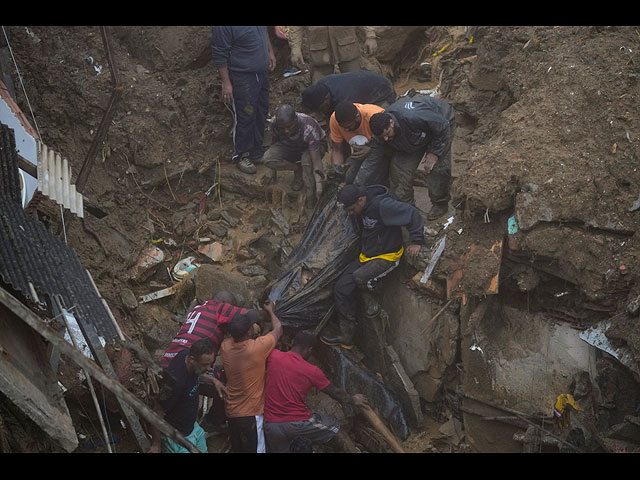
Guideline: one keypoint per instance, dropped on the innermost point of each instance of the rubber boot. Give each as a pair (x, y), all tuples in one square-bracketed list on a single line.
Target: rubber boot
[(344, 338), (438, 210), (371, 304)]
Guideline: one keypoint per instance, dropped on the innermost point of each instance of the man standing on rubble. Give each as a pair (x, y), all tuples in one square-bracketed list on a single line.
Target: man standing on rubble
[(379, 218), (244, 57), (244, 360), (362, 87), (290, 377), (412, 132), (350, 135), (330, 46), (180, 406), (299, 143)]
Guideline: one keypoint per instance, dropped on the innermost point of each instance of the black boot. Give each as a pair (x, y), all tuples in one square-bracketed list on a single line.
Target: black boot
[(371, 304), (438, 210), (344, 338)]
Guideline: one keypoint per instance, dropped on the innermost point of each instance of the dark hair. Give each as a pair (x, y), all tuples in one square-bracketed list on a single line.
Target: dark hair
[(285, 113), (204, 346), (240, 324), (224, 297), (379, 122), (305, 339), (345, 112), (314, 95)]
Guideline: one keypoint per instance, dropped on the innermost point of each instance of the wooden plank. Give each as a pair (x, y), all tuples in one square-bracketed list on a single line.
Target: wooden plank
[(93, 369)]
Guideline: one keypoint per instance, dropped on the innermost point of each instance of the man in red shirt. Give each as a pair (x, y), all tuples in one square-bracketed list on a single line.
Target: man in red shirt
[(289, 379)]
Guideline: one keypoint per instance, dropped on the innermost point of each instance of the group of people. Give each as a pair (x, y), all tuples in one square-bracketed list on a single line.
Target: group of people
[(378, 138), (260, 390), (377, 143)]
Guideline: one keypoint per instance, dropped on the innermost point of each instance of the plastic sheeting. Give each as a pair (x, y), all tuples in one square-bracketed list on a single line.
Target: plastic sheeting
[(304, 292)]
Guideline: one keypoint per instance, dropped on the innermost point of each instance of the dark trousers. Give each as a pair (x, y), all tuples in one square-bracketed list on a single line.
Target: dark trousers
[(358, 276), (396, 169), (250, 105), (244, 435)]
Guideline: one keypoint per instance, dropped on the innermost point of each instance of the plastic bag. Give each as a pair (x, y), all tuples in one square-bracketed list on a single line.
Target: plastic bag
[(304, 292)]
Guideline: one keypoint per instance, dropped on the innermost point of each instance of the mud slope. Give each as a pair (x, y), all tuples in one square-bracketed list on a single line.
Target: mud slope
[(548, 132)]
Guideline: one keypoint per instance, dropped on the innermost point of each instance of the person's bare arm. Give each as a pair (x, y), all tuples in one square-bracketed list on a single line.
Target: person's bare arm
[(227, 89), (337, 154), (276, 326)]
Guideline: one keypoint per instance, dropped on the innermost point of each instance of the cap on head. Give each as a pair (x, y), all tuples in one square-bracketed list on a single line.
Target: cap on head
[(240, 323), (350, 194)]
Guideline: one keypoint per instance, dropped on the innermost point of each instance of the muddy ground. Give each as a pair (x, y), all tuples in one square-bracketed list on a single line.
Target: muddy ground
[(548, 132)]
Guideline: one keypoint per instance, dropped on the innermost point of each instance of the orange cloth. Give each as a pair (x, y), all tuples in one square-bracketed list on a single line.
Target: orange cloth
[(244, 364), (339, 134)]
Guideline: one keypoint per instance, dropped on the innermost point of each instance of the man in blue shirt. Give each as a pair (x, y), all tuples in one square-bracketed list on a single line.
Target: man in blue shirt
[(244, 57)]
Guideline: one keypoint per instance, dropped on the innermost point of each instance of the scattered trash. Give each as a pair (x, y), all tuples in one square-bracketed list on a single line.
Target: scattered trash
[(184, 267), (292, 72), (561, 294), (449, 222), (425, 72), (441, 50), (437, 251), (597, 336), (475, 347), (512, 225), (561, 412), (150, 257), (165, 292), (212, 250)]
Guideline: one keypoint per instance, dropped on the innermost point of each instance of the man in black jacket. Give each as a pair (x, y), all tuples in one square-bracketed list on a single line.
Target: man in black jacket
[(380, 218), (409, 133), (354, 87)]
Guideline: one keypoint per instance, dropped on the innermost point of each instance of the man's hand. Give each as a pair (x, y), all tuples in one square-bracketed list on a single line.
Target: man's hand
[(220, 388), (359, 400), (429, 160), (297, 60), (413, 250), (269, 306), (370, 46), (359, 151), (155, 448), (272, 61), (227, 92)]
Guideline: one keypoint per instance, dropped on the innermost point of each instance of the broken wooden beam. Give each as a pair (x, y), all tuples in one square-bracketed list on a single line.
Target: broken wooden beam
[(93, 369), (381, 428)]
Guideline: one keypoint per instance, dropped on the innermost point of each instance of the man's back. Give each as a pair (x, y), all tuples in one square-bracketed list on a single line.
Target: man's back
[(203, 321), (358, 87), (289, 379), (244, 365)]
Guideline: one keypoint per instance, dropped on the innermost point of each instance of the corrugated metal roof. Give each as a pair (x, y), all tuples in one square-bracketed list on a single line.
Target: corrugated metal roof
[(31, 256)]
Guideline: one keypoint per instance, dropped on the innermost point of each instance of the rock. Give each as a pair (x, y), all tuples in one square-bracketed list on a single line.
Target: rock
[(128, 298), (253, 270), (210, 279), (157, 325)]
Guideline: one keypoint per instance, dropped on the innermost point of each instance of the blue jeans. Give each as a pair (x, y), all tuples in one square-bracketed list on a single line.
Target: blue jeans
[(250, 105)]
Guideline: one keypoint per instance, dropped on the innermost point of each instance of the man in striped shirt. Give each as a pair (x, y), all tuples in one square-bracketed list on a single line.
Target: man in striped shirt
[(208, 320)]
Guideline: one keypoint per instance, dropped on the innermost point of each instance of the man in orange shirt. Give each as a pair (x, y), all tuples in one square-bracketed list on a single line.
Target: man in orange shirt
[(244, 361), (350, 135)]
